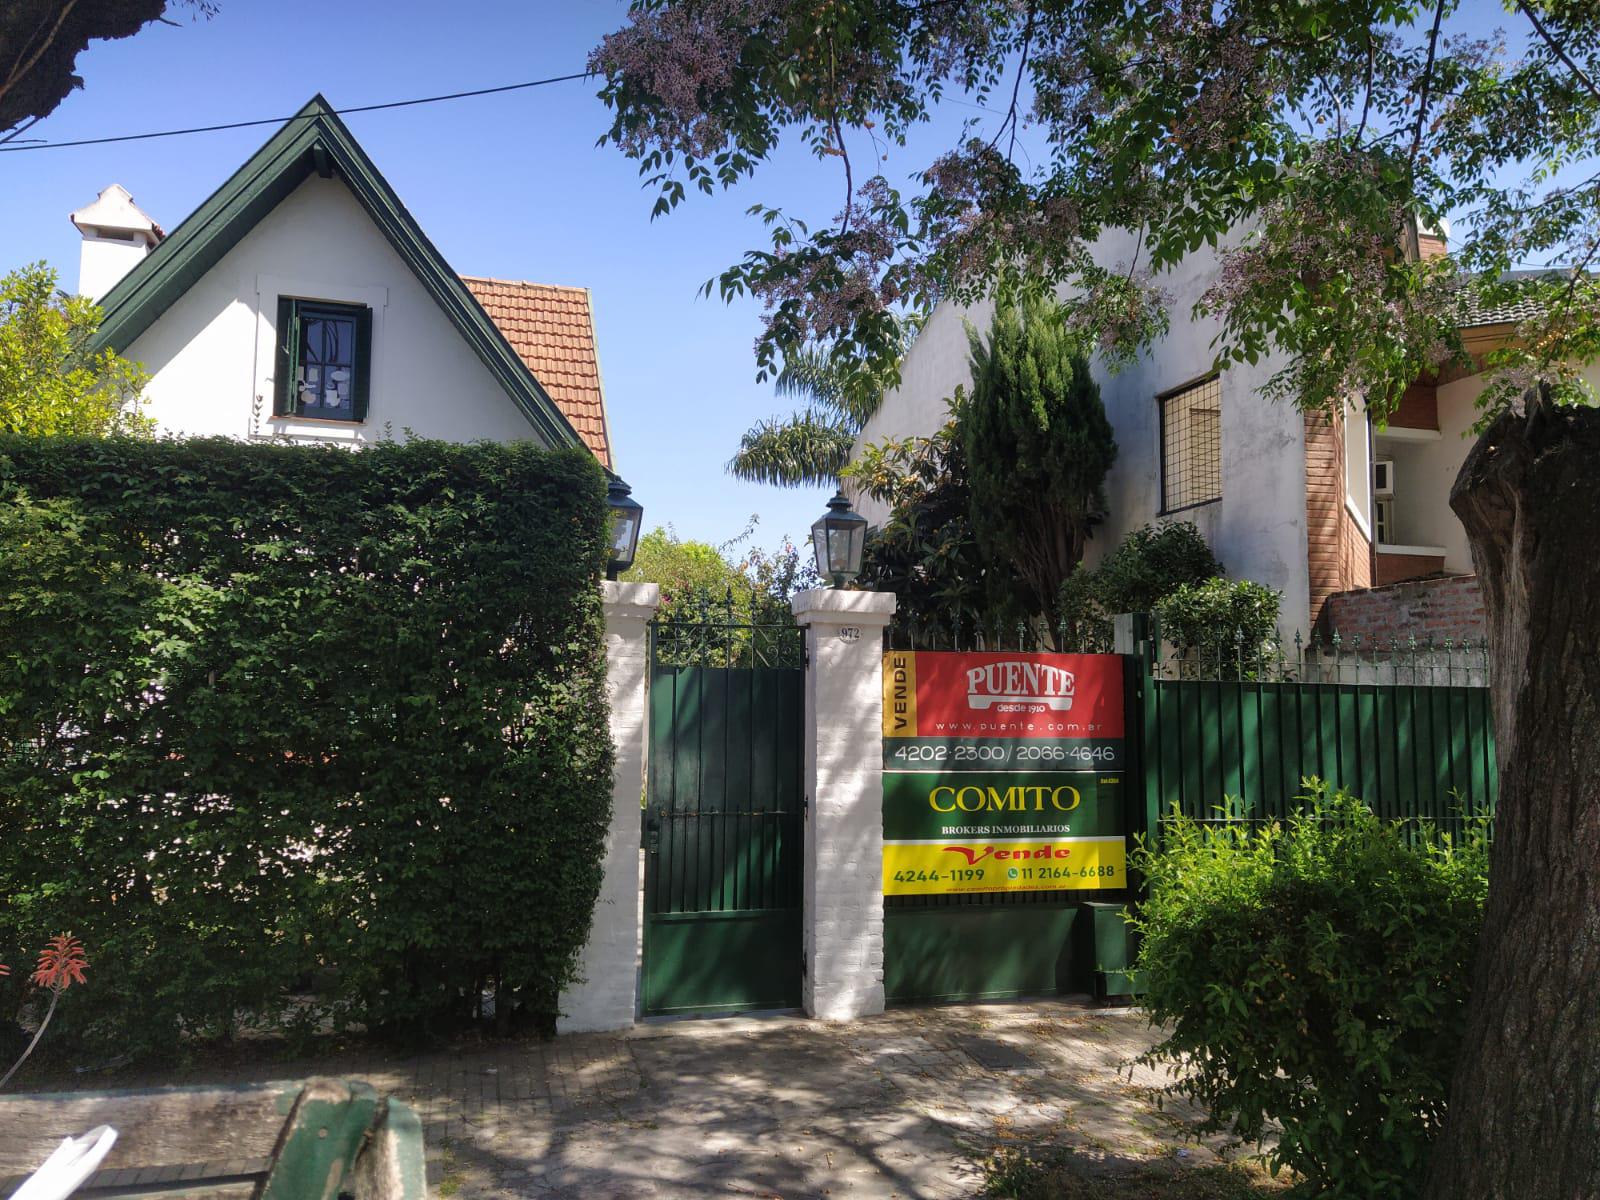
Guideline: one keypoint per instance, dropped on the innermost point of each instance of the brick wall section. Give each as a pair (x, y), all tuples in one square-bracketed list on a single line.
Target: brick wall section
[(1396, 568), (1338, 556), (1355, 567), (1418, 408), (1449, 606)]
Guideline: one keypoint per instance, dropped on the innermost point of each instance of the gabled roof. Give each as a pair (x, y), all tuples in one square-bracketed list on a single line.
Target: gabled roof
[(316, 140), (552, 329)]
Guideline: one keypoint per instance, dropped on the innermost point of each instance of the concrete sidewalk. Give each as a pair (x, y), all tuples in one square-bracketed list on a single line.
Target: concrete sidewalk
[(902, 1105)]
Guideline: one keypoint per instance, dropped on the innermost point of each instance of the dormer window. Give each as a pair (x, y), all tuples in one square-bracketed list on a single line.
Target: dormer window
[(324, 360)]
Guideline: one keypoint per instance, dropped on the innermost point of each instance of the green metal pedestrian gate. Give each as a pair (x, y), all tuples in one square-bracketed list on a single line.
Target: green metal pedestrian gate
[(723, 819)]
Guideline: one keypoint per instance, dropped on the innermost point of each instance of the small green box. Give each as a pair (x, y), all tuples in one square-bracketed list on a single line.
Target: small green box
[(1103, 951)]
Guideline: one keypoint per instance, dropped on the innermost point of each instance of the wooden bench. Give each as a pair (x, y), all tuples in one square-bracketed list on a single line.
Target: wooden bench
[(319, 1139)]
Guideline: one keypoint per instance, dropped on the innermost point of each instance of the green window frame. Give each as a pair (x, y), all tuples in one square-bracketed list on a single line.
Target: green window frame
[(324, 360)]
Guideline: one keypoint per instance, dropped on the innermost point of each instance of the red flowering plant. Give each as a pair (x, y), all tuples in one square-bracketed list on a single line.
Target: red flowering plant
[(61, 965)]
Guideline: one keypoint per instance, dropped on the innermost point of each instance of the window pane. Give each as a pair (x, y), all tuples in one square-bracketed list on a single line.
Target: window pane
[(1191, 442), (311, 340), (327, 365)]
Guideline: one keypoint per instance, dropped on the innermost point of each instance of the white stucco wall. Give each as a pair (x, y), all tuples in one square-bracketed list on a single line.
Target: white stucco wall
[(934, 367), (211, 354), (605, 995), (843, 758), (103, 260), (1257, 529)]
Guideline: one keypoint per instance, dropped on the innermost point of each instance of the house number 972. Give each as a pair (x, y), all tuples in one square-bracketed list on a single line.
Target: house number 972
[(850, 633)]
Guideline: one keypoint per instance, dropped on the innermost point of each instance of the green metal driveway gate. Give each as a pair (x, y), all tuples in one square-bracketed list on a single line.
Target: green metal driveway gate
[(723, 819)]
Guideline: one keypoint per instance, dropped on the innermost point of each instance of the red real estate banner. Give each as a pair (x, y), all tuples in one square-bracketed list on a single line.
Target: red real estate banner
[(1002, 695)]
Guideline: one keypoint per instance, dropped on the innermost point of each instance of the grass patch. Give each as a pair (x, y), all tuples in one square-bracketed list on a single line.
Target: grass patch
[(450, 1178), (1014, 1176)]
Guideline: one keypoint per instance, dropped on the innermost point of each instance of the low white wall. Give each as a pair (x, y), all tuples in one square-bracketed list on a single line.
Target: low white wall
[(606, 995)]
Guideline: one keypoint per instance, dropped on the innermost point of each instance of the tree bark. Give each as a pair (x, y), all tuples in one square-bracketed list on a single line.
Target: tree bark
[(1524, 1114)]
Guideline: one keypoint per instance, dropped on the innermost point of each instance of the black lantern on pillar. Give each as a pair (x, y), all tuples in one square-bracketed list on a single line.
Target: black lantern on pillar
[(626, 516), (838, 538)]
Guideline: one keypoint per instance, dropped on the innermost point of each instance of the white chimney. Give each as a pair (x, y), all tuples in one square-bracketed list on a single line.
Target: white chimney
[(116, 235)]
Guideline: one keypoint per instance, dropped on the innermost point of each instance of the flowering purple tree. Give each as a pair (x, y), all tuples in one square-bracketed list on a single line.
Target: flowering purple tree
[(1311, 141)]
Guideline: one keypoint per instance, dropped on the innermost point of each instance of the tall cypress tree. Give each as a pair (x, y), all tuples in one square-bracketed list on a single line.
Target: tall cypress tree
[(1038, 447)]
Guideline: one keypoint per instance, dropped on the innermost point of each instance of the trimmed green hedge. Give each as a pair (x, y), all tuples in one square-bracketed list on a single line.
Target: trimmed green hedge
[(275, 716)]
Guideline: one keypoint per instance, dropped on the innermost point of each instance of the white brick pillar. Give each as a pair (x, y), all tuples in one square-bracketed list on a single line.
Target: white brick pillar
[(606, 994), (843, 756)]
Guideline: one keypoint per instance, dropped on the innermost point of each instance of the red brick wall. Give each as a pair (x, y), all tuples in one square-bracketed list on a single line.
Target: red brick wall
[(1396, 568), (1446, 607), (1338, 556), (1418, 408)]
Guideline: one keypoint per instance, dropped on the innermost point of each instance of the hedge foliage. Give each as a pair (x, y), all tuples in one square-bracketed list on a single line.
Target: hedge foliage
[(272, 715), (1312, 980), (1150, 562), (1228, 627)]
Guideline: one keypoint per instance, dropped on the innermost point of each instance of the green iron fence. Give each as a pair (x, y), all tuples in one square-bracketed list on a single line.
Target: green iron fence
[(1220, 736), (1405, 726)]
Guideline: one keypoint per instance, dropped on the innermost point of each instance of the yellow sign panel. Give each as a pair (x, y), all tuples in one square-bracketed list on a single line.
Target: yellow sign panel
[(899, 694), (925, 868)]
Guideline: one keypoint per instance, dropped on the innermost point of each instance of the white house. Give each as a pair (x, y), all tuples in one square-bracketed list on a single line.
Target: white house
[(1349, 522), (302, 301)]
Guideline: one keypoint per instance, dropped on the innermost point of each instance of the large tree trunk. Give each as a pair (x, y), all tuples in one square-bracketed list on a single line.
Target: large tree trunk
[(1524, 1115)]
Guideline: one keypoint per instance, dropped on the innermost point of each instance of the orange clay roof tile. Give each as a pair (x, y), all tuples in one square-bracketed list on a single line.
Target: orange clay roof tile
[(552, 330)]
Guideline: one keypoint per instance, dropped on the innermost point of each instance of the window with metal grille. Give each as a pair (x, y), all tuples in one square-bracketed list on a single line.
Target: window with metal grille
[(1191, 445)]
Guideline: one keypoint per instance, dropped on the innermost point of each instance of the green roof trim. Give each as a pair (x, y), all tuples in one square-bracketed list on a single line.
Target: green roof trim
[(310, 142)]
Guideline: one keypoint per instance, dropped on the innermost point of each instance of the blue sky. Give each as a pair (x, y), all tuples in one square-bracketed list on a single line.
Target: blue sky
[(511, 186)]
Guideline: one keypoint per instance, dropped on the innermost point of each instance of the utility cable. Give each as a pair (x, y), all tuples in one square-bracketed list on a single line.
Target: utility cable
[(360, 108)]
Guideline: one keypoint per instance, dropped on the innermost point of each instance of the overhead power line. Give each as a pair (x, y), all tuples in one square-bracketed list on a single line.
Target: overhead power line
[(359, 108)]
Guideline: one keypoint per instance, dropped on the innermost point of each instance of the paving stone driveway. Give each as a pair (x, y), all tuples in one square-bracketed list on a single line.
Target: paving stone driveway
[(900, 1105)]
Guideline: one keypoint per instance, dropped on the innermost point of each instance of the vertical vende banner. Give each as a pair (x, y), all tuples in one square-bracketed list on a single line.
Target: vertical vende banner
[(1002, 773)]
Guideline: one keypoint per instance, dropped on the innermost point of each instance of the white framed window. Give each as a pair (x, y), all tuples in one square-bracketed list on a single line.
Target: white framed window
[(1383, 512)]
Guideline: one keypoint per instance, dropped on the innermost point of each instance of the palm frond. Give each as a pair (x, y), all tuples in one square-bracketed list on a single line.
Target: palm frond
[(811, 447)]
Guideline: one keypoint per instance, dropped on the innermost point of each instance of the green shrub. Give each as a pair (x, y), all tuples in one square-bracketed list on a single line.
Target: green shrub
[(1150, 562), (1221, 626), (271, 714), (1145, 566), (926, 551), (1312, 981), (1038, 446)]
